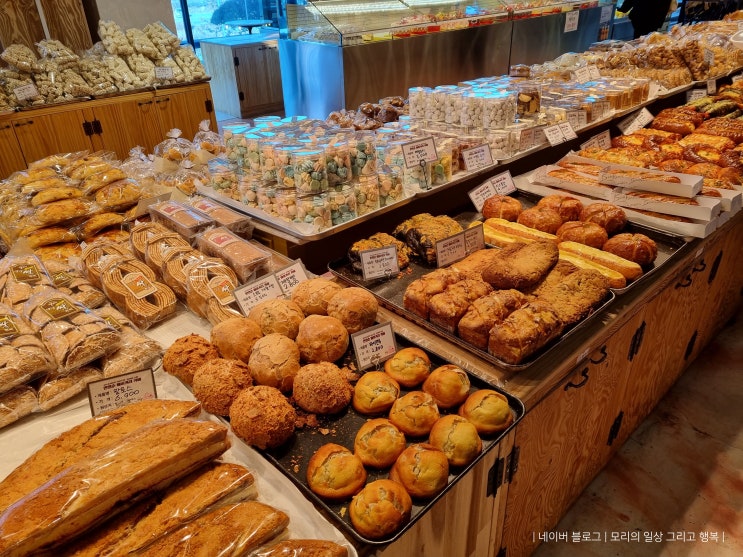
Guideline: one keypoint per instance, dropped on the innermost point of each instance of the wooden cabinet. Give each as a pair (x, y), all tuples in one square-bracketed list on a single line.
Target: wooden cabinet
[(11, 156), (127, 123), (185, 109), (41, 134), (246, 75)]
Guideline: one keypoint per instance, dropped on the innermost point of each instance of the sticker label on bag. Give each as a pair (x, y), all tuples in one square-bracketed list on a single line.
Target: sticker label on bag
[(138, 284), (8, 327), (59, 308), (221, 287)]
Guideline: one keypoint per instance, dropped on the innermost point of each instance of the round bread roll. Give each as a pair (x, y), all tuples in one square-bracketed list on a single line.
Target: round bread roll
[(501, 207), (322, 388), (540, 218), (414, 414), (274, 361), (235, 337), (409, 366), (457, 438), (321, 338), (186, 355), (588, 233), (380, 509), (488, 410), (422, 469), (449, 385), (567, 207), (355, 307), (335, 473), (609, 216), (312, 296), (261, 416), (277, 316), (375, 392), (634, 247), (378, 443), (217, 382)]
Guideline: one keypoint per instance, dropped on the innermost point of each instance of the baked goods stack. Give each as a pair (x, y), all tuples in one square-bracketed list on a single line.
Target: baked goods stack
[(174, 498)]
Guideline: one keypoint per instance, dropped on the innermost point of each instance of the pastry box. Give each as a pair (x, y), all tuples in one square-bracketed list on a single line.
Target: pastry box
[(246, 258), (572, 181), (703, 209), (182, 218)]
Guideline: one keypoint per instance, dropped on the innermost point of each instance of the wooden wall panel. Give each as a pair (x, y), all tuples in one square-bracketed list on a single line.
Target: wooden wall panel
[(20, 23), (65, 20)]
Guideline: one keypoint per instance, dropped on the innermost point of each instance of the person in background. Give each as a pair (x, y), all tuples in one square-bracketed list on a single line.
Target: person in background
[(646, 15)]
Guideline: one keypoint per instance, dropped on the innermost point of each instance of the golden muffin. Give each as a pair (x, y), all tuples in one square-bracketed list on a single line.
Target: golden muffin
[(380, 509), (449, 385), (488, 410), (409, 366), (335, 473), (378, 443), (422, 469), (374, 393), (414, 414), (457, 438)]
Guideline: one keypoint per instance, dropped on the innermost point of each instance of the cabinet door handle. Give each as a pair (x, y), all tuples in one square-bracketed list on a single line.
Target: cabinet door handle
[(715, 267), (143, 103), (699, 267), (26, 123), (603, 357), (5, 127), (579, 384), (97, 128), (166, 99), (685, 283)]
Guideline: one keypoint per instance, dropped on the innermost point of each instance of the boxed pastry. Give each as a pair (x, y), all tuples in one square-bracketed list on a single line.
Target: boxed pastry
[(240, 224), (185, 220), (246, 258), (699, 207), (571, 180)]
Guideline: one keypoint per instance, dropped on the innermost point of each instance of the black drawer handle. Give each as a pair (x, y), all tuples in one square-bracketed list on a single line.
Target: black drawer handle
[(685, 283), (144, 103), (166, 99), (5, 127), (26, 123), (699, 267), (580, 383), (603, 357)]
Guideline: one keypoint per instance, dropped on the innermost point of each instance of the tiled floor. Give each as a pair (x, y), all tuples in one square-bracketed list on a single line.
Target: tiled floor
[(679, 476)]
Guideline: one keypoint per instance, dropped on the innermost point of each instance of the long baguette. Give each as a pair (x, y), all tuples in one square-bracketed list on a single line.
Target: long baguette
[(88, 492), (629, 269), (524, 233), (615, 278)]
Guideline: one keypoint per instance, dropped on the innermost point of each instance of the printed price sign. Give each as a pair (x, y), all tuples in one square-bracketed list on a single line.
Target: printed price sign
[(711, 86), (709, 56), (480, 194), (590, 144), (474, 239), (290, 277), (503, 183), (477, 157), (26, 92), (373, 345), (637, 121), (601, 109), (582, 75), (144, 204), (654, 90), (601, 141), (526, 139), (450, 249), (571, 21), (554, 135), (695, 94), (379, 262), (250, 295), (606, 12), (422, 150), (163, 72), (115, 392), (594, 72), (577, 119)]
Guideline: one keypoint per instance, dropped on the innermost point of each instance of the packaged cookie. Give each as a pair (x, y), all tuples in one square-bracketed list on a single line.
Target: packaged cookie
[(141, 43), (240, 224), (21, 57), (21, 275), (113, 38), (187, 60), (58, 388), (246, 258), (62, 55), (209, 278), (185, 220), (164, 40), (71, 281)]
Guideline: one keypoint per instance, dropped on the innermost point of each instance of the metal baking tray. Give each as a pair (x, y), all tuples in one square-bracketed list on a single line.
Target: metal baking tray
[(292, 457)]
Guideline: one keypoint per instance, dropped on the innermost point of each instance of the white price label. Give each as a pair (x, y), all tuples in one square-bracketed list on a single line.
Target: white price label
[(604, 139), (582, 75), (480, 194), (26, 92), (115, 392), (477, 157), (578, 119), (526, 139), (503, 183), (374, 345), (163, 72), (592, 143), (474, 239), (654, 89), (422, 150), (450, 249), (709, 56), (695, 95), (567, 131), (601, 109), (571, 21), (594, 72), (144, 204), (379, 262), (250, 295), (290, 277), (606, 13), (711, 86), (636, 121), (554, 134)]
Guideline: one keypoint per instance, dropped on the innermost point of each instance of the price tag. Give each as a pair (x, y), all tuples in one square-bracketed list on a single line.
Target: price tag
[(594, 72), (540, 137), (567, 131), (654, 89), (695, 95), (250, 295), (450, 249), (374, 345), (26, 92), (604, 139), (578, 119), (554, 135), (503, 183), (480, 194), (163, 72), (711, 86), (526, 139), (709, 56), (115, 392), (606, 13), (379, 262), (290, 277), (636, 121), (477, 157), (474, 239), (590, 144), (422, 150), (582, 75), (571, 21)]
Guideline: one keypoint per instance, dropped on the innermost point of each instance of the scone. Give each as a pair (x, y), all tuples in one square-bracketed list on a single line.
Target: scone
[(322, 388), (277, 316), (488, 410), (335, 473), (322, 339), (380, 509), (414, 414), (274, 361), (217, 382), (186, 355), (422, 469), (449, 385), (409, 366), (457, 438), (313, 295), (378, 443), (355, 307), (374, 393), (261, 416), (235, 337)]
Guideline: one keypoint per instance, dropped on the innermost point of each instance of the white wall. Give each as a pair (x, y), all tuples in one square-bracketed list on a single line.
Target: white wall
[(136, 13)]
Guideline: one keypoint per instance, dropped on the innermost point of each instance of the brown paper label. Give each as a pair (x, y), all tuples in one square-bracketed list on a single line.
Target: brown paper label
[(26, 272), (138, 284), (62, 278), (223, 239), (113, 322), (222, 287), (8, 327), (59, 308)]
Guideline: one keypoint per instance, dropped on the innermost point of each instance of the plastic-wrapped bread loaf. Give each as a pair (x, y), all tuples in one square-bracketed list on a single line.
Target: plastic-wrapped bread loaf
[(245, 258)]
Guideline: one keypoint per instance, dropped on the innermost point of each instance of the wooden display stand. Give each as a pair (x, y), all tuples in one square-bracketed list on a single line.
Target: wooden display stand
[(116, 123)]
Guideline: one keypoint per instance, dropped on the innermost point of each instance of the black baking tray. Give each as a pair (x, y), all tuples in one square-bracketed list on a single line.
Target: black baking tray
[(292, 457)]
